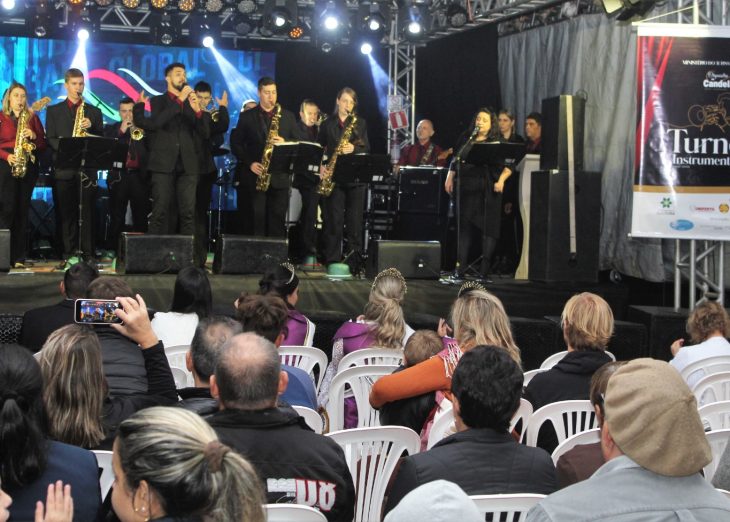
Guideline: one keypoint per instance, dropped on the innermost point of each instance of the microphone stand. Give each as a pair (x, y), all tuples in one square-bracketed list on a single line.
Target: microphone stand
[(457, 160)]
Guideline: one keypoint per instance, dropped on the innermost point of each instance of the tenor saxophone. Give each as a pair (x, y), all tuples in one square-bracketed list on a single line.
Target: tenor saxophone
[(326, 185), (23, 150), (264, 179), (78, 132)]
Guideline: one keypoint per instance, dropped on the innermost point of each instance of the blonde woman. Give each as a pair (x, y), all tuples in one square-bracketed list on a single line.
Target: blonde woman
[(169, 465)]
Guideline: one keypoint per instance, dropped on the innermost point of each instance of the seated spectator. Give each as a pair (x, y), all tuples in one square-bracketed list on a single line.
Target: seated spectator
[(29, 462), (266, 315), (708, 325), (283, 282), (435, 501), (59, 506), (191, 301), (583, 460), (38, 323), (294, 463), (169, 465), (721, 478), (587, 323), (80, 411), (482, 457), (655, 447), (210, 336)]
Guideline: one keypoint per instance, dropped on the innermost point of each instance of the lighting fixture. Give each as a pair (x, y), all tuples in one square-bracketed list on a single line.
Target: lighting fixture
[(159, 4), (104, 3), (83, 35), (208, 41), (186, 5), (242, 25), (246, 6), (130, 4), (366, 48), (213, 6), (8, 5), (164, 31), (296, 33), (75, 2), (457, 15), (326, 47)]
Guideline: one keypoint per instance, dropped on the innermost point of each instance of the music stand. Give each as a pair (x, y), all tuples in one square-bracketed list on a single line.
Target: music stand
[(306, 162), (361, 168), (91, 152)]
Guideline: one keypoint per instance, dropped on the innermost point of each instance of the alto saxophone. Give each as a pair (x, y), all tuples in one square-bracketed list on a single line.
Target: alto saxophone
[(326, 185), (264, 179), (78, 132), (24, 148)]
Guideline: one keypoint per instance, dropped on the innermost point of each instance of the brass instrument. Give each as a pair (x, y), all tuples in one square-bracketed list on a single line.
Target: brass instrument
[(78, 132), (136, 134), (264, 179), (215, 115), (326, 185), (23, 150)]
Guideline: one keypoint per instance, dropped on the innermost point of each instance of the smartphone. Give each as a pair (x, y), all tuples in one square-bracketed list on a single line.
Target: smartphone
[(96, 311)]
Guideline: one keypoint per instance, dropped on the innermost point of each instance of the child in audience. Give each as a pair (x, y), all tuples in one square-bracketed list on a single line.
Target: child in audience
[(282, 281)]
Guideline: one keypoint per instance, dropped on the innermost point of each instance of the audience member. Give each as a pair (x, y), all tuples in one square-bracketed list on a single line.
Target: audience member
[(708, 325), (587, 323), (28, 461), (294, 463), (721, 478), (38, 323), (59, 506), (191, 301), (533, 132), (169, 465), (282, 281), (482, 457), (210, 336), (655, 447), (437, 501), (266, 315)]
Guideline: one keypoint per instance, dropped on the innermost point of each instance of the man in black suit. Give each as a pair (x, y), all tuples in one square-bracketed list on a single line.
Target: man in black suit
[(267, 209), (39, 323), (128, 184), (60, 123), (176, 154)]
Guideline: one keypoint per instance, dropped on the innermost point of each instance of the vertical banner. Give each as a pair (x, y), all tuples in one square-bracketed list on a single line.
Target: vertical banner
[(682, 173)]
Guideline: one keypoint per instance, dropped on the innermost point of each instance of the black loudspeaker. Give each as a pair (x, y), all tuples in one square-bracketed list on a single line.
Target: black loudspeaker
[(534, 338), (248, 254), (5, 250), (629, 340), (414, 259), (155, 254), (556, 132), (421, 190), (664, 326), (550, 257)]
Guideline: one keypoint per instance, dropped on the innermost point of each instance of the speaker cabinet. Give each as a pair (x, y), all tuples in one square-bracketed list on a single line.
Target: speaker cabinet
[(629, 340), (550, 257), (4, 250), (414, 259), (155, 254), (248, 254), (421, 190), (663, 325), (556, 132)]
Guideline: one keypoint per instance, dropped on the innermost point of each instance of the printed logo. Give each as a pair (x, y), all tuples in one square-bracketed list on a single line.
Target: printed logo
[(682, 225), (715, 80), (696, 208), (724, 208), (666, 202)]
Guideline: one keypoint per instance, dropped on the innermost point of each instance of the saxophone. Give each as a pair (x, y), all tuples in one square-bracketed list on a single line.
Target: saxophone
[(264, 179), (24, 148), (78, 132), (326, 185)]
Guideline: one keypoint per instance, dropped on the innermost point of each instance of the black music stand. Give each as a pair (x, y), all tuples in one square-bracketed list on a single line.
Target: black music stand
[(306, 162), (361, 168), (91, 152)]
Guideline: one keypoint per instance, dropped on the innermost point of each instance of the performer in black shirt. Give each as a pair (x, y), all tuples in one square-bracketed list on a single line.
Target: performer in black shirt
[(307, 130)]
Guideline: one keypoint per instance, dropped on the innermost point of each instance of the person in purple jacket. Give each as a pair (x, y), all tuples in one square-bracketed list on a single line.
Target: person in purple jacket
[(283, 282)]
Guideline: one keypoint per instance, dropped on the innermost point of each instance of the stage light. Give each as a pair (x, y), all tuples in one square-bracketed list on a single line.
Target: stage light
[(374, 24), (158, 4), (242, 25), (296, 33), (414, 27), (75, 2), (457, 15), (208, 41), (366, 48), (40, 26), (331, 22), (83, 35), (330, 16), (279, 16), (164, 31), (8, 5), (130, 4), (104, 3), (246, 6), (326, 47), (186, 5), (213, 6)]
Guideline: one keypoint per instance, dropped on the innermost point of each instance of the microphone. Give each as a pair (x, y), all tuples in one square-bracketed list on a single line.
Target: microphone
[(474, 132)]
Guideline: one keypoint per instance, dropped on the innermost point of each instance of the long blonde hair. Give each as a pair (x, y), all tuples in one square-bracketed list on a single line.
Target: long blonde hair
[(74, 386), (479, 319), (6, 97), (384, 308)]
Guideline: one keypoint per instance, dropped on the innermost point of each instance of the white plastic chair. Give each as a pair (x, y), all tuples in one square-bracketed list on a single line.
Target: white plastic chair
[(716, 415), (293, 513), (724, 492), (106, 477), (306, 358), (529, 375), (567, 418), (309, 338), (180, 376), (371, 455), (584, 437), (523, 413), (511, 507), (313, 419), (717, 440), (360, 379), (712, 388), (557, 357), (375, 356), (708, 366), (176, 357), (442, 427)]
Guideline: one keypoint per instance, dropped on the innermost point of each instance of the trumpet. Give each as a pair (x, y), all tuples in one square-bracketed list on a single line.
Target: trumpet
[(136, 133)]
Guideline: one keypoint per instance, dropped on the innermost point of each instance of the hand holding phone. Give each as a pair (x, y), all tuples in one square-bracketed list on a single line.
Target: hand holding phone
[(96, 311), (136, 321)]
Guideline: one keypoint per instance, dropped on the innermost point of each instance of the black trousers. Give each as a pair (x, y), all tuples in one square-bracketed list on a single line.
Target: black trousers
[(9, 194), (19, 230), (202, 204), (127, 187), (67, 192), (173, 202), (269, 210), (308, 219), (343, 216)]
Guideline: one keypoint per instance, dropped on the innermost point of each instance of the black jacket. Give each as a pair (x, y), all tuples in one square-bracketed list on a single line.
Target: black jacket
[(39, 323), (330, 133), (60, 123), (217, 137), (481, 462), (198, 400), (412, 412), (124, 366), (294, 463), (304, 133), (137, 148), (249, 140)]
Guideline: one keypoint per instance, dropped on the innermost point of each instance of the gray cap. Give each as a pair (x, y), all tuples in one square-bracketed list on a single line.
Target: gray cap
[(437, 501)]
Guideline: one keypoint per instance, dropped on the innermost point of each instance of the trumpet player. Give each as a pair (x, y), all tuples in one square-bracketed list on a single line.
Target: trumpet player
[(15, 191), (129, 184), (60, 122)]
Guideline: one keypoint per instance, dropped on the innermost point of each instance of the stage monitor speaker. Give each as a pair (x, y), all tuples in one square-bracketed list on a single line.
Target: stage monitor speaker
[(550, 256), (414, 259), (664, 326), (155, 254), (248, 254), (558, 130), (421, 190), (4, 250), (629, 340)]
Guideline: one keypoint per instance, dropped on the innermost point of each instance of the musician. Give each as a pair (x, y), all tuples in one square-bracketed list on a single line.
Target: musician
[(508, 246), (307, 130), (346, 205), (129, 184), (533, 131), (176, 153), (15, 192), (424, 151), (264, 213), (247, 105), (60, 123), (479, 193)]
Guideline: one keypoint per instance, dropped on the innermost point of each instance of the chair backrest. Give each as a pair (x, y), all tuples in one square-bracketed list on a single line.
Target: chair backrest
[(293, 513), (181, 378), (584, 437), (694, 371), (712, 388), (360, 379), (523, 413), (314, 420), (372, 455), (567, 417), (724, 492), (716, 415), (379, 356), (106, 477), (511, 507), (529, 375), (442, 427), (557, 357), (306, 358), (717, 439), (176, 357), (311, 327)]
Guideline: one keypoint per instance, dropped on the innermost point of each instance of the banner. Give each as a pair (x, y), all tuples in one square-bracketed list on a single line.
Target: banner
[(682, 173)]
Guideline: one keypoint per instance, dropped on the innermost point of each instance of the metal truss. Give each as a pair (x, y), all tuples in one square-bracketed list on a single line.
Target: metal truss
[(402, 81), (704, 266)]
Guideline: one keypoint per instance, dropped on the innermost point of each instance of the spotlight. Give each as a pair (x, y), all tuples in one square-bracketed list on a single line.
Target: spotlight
[(296, 33), (242, 25), (164, 31), (40, 25), (457, 15), (73, 2), (104, 3), (279, 16), (374, 24), (130, 4), (246, 6), (213, 6), (330, 16), (414, 27), (186, 5), (158, 4), (83, 35), (326, 47), (8, 5), (208, 41), (331, 23), (366, 48)]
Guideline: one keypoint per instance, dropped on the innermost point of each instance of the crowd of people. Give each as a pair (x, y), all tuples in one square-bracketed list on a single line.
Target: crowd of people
[(232, 442)]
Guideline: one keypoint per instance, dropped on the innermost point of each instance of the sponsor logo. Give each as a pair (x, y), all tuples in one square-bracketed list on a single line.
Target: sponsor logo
[(697, 208), (724, 208), (682, 225), (715, 80), (666, 202)]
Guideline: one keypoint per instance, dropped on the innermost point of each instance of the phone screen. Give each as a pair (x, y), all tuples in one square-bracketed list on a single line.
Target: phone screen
[(96, 311)]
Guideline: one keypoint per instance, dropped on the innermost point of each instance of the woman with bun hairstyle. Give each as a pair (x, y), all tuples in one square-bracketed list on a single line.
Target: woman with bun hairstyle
[(282, 281)]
